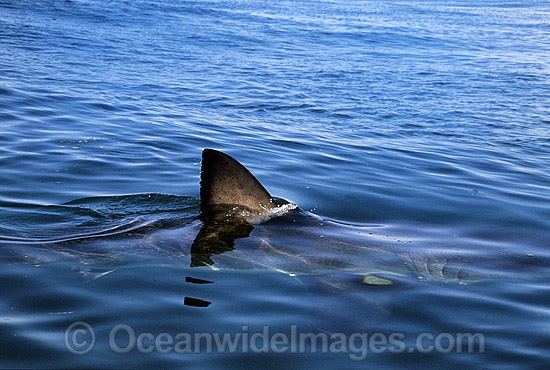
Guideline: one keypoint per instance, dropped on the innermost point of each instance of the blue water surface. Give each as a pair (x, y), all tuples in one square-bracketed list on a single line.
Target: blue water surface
[(427, 118)]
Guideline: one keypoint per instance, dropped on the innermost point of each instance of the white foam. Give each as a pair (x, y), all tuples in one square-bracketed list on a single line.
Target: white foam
[(273, 212)]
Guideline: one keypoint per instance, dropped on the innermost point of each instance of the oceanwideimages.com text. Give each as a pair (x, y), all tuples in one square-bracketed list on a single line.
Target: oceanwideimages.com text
[(80, 339)]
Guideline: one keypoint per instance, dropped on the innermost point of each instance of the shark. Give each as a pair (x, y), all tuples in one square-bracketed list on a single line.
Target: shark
[(240, 225), (353, 272), (356, 268), (234, 204)]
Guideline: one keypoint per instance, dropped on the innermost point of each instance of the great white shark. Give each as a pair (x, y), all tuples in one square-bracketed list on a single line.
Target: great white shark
[(241, 225), (350, 268), (353, 273), (234, 203)]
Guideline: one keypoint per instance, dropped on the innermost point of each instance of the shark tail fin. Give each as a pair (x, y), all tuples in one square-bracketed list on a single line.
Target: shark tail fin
[(226, 181)]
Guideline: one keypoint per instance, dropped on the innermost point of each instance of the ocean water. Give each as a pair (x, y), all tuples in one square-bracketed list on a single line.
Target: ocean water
[(406, 131)]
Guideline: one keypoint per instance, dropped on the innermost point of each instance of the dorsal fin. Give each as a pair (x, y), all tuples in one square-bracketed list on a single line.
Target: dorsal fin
[(226, 181)]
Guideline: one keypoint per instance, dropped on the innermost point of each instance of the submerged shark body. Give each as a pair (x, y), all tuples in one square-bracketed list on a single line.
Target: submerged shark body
[(291, 240), (353, 268), (242, 226)]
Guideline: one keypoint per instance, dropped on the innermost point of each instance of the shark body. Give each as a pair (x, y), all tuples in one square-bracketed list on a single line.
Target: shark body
[(350, 270), (242, 226), (291, 240)]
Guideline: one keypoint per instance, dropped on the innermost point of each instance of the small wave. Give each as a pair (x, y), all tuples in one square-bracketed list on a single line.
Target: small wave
[(94, 217), (273, 212), (124, 205), (119, 228)]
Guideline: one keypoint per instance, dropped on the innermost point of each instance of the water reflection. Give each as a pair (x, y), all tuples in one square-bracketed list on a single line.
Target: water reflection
[(339, 301), (217, 235), (195, 302), (193, 280)]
